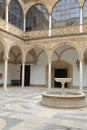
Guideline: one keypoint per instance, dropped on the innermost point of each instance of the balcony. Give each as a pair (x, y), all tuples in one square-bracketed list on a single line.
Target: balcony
[(36, 34), (10, 28), (63, 31)]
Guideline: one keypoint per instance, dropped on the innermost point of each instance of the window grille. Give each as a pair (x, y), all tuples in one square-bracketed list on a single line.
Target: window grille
[(66, 13), (2, 9), (37, 18), (15, 14), (85, 12)]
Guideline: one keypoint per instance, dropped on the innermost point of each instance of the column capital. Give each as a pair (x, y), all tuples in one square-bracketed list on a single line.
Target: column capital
[(24, 16), (81, 58), (5, 57), (23, 59), (7, 3), (49, 59), (23, 62), (49, 14)]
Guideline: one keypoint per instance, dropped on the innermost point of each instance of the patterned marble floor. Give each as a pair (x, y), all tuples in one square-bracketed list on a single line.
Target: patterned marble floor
[(20, 109)]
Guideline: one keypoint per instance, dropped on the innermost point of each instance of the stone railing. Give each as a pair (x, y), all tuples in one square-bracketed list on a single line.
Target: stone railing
[(36, 34), (41, 33), (85, 28), (3, 24), (54, 32), (10, 28), (16, 31), (65, 30)]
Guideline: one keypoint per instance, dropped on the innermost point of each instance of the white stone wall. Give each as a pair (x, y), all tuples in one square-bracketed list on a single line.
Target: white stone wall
[(71, 57), (13, 72), (2, 72), (38, 71)]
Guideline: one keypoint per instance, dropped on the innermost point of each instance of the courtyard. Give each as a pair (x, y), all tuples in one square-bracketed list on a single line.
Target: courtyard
[(20, 109)]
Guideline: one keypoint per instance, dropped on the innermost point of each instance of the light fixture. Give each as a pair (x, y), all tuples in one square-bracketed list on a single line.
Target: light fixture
[(78, 64)]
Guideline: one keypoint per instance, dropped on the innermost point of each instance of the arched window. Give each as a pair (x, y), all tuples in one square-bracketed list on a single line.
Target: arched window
[(66, 13), (2, 9), (15, 14), (37, 18), (85, 12)]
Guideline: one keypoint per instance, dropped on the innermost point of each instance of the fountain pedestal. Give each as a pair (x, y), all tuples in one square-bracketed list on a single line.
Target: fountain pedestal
[(64, 99), (63, 81)]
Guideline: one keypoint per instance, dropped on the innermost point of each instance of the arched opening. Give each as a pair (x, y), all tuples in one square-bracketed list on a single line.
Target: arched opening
[(64, 60), (15, 60), (37, 18), (85, 68), (85, 12), (66, 13), (37, 60), (15, 14), (1, 64), (2, 9)]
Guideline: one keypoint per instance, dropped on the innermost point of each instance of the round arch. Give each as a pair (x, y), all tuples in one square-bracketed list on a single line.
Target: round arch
[(84, 54), (66, 64), (17, 1), (2, 9), (38, 64), (84, 49), (65, 13), (84, 2), (54, 5), (37, 46), (37, 17), (3, 42), (16, 20), (84, 12), (67, 44), (18, 47), (57, 2), (4, 46), (38, 3), (16, 54), (20, 5)]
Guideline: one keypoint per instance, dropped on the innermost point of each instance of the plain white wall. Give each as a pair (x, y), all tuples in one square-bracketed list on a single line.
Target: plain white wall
[(38, 70), (2, 72)]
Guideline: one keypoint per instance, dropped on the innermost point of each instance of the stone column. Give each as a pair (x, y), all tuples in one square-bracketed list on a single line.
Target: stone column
[(5, 73), (49, 74), (81, 19), (7, 15), (24, 24), (23, 73), (49, 25), (81, 74)]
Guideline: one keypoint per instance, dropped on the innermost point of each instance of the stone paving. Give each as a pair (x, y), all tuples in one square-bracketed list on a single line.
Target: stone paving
[(20, 109)]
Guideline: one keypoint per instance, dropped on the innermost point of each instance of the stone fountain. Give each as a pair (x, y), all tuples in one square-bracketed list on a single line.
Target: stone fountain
[(63, 98)]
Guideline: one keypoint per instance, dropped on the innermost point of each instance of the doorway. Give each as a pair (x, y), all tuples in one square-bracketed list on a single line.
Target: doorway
[(26, 76), (60, 73)]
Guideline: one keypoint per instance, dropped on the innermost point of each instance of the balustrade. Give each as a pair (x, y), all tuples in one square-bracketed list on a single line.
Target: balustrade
[(36, 34), (41, 33), (85, 28), (10, 28), (65, 30)]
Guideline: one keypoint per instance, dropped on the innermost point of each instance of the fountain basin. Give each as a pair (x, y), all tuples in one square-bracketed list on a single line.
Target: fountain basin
[(71, 99)]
